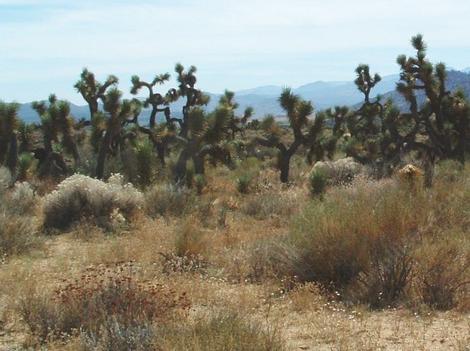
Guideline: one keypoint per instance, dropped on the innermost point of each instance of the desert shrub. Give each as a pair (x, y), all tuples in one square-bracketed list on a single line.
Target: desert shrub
[(167, 200), (269, 204), (384, 282), (81, 197), (223, 330), (335, 241), (318, 183), (103, 297), (18, 234), (443, 272)]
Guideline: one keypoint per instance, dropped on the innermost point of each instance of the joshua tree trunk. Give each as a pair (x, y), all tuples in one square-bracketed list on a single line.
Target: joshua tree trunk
[(428, 170), (198, 164), (160, 147), (12, 157), (104, 148), (284, 165), (181, 165), (153, 117)]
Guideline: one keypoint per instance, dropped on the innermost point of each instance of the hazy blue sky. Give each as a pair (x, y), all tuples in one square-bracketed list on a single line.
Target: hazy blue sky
[(235, 44)]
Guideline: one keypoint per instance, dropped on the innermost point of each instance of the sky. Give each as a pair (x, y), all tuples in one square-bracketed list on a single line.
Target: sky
[(240, 44)]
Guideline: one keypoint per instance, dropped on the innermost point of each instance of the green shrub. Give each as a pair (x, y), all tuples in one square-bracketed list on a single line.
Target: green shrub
[(24, 167), (144, 157), (318, 183), (244, 183), (200, 183)]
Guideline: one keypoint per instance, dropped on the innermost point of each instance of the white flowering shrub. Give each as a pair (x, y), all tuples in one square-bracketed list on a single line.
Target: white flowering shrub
[(81, 197), (342, 171)]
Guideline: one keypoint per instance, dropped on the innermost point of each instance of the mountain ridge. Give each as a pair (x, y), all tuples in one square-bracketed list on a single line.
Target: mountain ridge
[(263, 99)]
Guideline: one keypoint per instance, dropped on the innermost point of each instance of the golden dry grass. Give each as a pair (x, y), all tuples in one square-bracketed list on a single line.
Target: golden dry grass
[(236, 276)]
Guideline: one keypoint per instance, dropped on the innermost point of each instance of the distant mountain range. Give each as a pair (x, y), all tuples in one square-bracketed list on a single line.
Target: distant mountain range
[(264, 99)]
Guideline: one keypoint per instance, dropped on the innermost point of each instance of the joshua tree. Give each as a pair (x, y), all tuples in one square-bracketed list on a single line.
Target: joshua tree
[(92, 90), (443, 121), (236, 124), (304, 132), (158, 102), (9, 124), (117, 114), (378, 131), (206, 135), (160, 136), (57, 126), (25, 137), (194, 97)]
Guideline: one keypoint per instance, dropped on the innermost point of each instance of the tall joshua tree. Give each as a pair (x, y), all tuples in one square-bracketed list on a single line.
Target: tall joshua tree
[(187, 90), (9, 125), (117, 113), (378, 131), (304, 132), (159, 135), (443, 121), (92, 91), (57, 126)]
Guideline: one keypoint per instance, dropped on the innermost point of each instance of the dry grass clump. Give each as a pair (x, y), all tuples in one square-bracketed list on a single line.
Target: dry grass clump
[(271, 204), (189, 249), (18, 234), (80, 197), (22, 200), (167, 200), (18, 227), (443, 272), (104, 300), (222, 330)]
